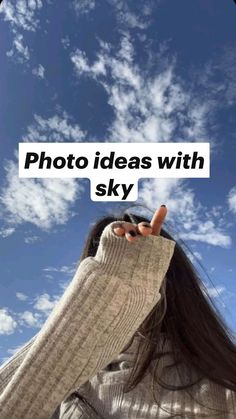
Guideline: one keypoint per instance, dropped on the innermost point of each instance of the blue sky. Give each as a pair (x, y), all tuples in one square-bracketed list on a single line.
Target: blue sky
[(159, 71)]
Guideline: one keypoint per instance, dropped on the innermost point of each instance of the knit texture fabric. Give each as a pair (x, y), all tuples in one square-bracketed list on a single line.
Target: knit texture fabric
[(75, 367), (102, 397), (109, 297)]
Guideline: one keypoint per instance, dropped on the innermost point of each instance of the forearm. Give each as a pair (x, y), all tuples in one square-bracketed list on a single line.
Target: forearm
[(97, 315)]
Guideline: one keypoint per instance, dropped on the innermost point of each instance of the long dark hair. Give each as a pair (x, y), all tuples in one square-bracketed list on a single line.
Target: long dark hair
[(187, 317)]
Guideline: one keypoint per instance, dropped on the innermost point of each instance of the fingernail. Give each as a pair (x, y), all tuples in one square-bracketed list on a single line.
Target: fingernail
[(146, 225), (162, 205), (132, 233)]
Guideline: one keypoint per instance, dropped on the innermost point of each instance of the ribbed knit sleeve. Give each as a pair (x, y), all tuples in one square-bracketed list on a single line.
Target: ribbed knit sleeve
[(108, 298)]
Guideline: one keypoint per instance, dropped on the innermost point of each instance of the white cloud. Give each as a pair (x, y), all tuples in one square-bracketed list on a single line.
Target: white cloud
[(187, 217), (19, 49), (125, 16), (62, 269), (31, 239), (22, 16), (68, 271), (42, 202), (21, 296), (130, 19), (29, 319), (232, 199), (48, 276), (216, 291), (218, 76), (83, 7), (45, 304), (6, 232), (65, 42), (158, 108), (39, 71), (82, 66), (207, 233), (64, 285), (55, 128), (7, 322)]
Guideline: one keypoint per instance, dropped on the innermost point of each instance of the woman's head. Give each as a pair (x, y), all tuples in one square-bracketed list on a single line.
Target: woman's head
[(187, 316)]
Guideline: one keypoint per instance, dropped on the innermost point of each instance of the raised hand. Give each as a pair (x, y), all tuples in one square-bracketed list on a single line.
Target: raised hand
[(131, 231)]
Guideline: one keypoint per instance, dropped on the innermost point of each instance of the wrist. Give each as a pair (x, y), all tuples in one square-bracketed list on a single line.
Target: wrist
[(141, 259)]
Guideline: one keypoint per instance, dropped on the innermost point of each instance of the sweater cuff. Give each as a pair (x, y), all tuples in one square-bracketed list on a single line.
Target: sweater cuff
[(117, 256)]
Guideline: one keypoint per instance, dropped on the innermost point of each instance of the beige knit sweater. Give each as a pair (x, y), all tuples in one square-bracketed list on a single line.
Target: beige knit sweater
[(108, 298)]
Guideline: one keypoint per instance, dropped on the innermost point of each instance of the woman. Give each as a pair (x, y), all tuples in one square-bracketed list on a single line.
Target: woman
[(133, 336)]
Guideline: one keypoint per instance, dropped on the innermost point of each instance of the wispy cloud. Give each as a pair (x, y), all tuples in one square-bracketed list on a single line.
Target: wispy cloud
[(22, 14), (42, 202), (146, 108), (55, 128), (187, 217), (126, 16), (39, 72), (65, 42), (6, 232), (22, 17), (159, 108), (82, 66), (21, 296), (217, 78), (69, 270), (31, 239), (83, 7), (132, 17), (18, 49)]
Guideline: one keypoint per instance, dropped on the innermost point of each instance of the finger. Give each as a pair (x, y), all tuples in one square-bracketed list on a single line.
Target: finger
[(119, 229), (158, 219), (127, 229), (130, 232), (144, 228)]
